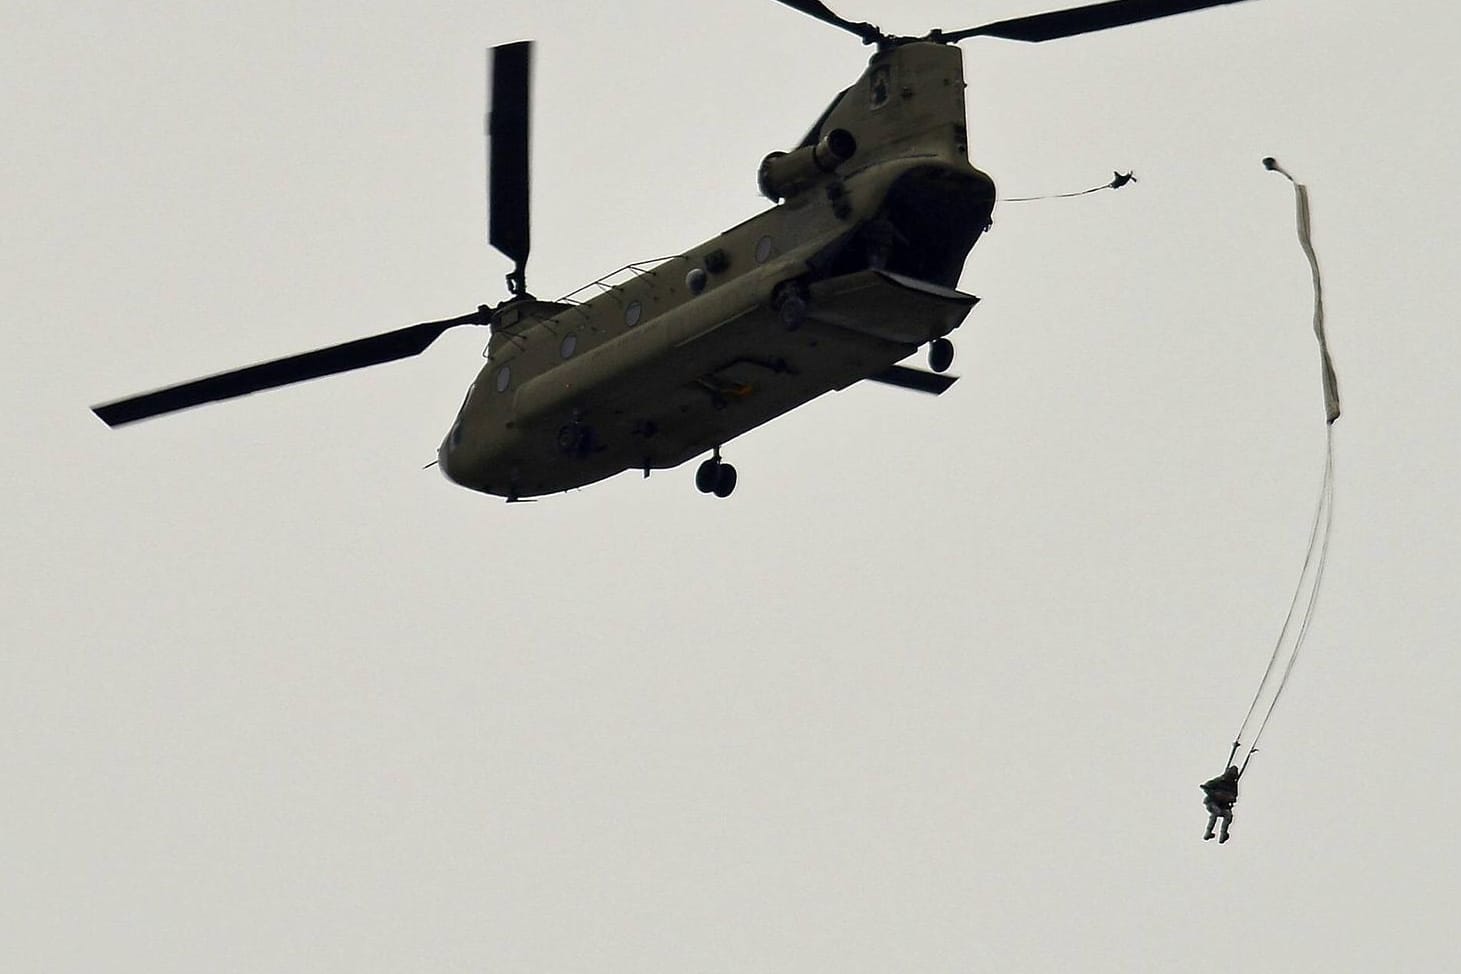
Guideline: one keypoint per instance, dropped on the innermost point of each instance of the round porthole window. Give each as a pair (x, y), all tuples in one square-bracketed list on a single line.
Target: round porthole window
[(504, 378), (633, 313), (763, 250), (568, 346)]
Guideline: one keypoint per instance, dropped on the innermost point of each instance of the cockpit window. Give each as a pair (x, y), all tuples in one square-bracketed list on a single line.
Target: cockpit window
[(456, 429)]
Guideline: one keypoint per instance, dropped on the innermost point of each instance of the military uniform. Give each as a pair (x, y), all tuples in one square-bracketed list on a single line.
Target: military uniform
[(1222, 795)]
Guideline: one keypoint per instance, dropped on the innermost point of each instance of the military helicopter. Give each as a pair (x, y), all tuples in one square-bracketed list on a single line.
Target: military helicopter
[(851, 270)]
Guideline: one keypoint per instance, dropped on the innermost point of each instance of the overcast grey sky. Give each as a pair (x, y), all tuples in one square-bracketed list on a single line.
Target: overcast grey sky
[(932, 691)]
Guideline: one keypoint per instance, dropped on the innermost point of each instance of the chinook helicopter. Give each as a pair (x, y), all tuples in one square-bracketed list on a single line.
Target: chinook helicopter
[(852, 269)]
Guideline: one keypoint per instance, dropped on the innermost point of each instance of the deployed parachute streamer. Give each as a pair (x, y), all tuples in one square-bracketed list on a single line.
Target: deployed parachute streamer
[(1301, 199), (1290, 637)]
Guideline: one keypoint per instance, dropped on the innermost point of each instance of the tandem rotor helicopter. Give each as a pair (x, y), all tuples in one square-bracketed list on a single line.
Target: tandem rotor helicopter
[(852, 270)]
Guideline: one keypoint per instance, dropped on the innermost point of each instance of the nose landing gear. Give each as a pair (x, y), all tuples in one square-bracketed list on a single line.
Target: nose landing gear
[(715, 476), (940, 354)]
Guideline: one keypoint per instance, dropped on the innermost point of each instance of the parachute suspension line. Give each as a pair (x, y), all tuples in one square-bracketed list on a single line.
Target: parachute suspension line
[(1317, 556), (1326, 488), (1317, 553), (1328, 502)]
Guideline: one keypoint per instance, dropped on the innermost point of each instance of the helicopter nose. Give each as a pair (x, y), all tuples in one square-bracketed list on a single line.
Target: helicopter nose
[(445, 452)]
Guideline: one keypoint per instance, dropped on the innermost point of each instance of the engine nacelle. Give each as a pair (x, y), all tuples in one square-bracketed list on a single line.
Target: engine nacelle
[(784, 174)]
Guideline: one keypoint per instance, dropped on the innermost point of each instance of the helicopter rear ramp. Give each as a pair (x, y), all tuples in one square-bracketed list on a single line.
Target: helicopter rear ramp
[(893, 307)]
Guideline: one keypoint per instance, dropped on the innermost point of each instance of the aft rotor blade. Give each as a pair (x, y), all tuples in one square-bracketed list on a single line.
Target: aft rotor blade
[(508, 162), (815, 8), (918, 380), (1083, 20), (387, 347)]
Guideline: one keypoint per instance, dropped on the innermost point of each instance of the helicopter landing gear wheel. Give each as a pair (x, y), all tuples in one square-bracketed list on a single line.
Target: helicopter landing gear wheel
[(715, 476), (940, 354), (707, 475), (725, 480)]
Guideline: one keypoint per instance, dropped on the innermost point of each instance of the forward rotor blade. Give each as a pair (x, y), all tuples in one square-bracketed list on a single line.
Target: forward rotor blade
[(387, 347), (918, 380), (1083, 20), (815, 8), (507, 130)]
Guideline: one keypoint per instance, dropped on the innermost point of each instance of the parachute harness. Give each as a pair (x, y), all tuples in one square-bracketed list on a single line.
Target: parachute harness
[(1286, 649)]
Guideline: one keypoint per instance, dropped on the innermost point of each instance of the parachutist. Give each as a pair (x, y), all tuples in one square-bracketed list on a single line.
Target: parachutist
[(1122, 178), (1222, 795)]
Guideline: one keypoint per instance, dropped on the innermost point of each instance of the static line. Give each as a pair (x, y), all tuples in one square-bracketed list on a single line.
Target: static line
[(1119, 179)]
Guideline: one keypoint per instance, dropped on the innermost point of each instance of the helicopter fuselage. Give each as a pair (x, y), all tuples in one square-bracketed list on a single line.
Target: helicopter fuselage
[(849, 273)]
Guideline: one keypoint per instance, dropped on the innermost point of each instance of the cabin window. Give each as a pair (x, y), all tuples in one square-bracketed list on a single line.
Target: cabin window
[(763, 250), (568, 346), (633, 313), (504, 378), (878, 85)]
